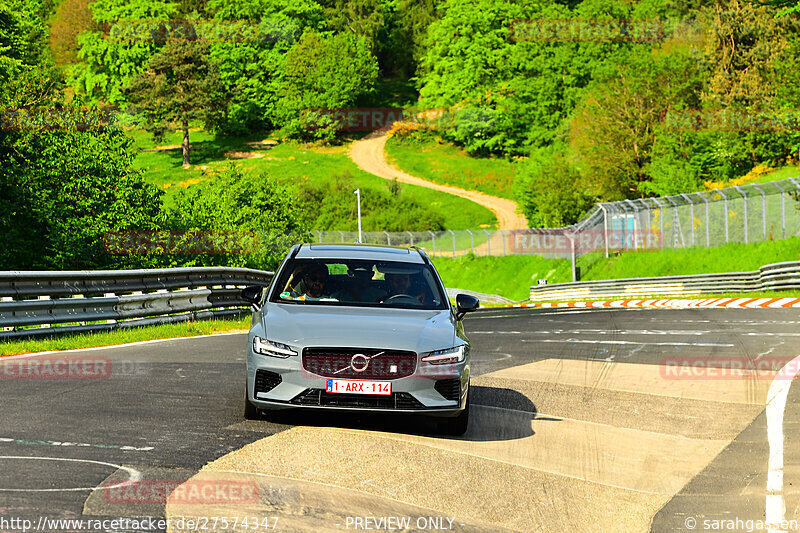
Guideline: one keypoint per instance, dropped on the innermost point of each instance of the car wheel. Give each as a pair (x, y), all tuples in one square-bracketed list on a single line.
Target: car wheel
[(457, 425), (251, 412)]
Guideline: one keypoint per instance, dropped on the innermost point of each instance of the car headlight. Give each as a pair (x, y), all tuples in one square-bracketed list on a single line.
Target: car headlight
[(271, 348), (456, 354)]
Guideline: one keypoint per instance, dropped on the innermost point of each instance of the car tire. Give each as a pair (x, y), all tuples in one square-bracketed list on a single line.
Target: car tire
[(457, 425), (251, 412)]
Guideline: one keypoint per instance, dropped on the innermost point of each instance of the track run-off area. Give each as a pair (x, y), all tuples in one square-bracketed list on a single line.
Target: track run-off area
[(582, 420)]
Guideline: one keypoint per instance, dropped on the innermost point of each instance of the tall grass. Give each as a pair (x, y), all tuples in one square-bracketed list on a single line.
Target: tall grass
[(512, 276), (448, 165)]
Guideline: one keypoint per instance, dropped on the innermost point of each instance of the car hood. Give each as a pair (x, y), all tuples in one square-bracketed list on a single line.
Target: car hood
[(395, 329)]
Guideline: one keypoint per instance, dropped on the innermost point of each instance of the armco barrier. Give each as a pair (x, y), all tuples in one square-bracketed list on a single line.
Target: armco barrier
[(44, 303), (774, 277)]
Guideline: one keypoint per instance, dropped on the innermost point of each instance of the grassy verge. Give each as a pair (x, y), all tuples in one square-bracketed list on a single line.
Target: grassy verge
[(124, 336), (511, 276), (446, 164), (733, 257), (762, 294), (789, 171), (290, 162)]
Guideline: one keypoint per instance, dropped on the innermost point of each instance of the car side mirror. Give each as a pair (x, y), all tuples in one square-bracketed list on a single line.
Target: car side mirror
[(252, 294), (465, 303)]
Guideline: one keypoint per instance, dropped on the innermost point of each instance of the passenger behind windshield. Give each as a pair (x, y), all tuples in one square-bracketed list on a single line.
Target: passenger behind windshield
[(359, 288), (312, 286)]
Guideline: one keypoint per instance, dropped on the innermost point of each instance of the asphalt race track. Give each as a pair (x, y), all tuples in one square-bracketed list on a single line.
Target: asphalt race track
[(583, 420)]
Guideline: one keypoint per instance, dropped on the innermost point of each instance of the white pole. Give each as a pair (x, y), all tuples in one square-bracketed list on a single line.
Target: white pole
[(360, 238)]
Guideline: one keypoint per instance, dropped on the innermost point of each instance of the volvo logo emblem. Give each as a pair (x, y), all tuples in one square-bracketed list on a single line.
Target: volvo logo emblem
[(359, 362)]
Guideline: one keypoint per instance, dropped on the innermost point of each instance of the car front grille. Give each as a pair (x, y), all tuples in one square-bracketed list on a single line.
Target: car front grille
[(449, 388), (266, 381), (320, 398), (336, 363)]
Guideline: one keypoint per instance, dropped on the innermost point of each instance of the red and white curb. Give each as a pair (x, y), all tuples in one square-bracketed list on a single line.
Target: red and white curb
[(728, 303)]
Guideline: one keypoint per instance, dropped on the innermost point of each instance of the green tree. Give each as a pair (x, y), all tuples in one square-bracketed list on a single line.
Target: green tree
[(415, 17), (72, 18), (109, 60), (66, 176), (179, 85), (551, 188), (509, 85), (362, 18), (241, 203), (613, 130), (323, 72), (250, 63), (331, 205), (64, 188), (10, 44)]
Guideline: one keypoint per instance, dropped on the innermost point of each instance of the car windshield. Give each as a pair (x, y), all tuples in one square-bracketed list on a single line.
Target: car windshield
[(359, 283)]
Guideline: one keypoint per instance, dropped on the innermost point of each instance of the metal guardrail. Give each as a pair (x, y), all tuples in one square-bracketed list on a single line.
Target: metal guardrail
[(46, 303), (774, 277)]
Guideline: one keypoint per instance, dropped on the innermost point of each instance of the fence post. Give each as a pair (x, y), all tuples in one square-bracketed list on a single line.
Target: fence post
[(763, 209), (635, 223), (411, 236), (797, 185), (605, 226), (691, 212), (661, 218), (647, 214), (725, 218), (471, 241), (319, 234), (503, 238), (744, 201), (708, 230), (453, 234), (488, 242), (388, 239), (572, 247), (433, 238), (676, 221), (342, 234), (783, 211)]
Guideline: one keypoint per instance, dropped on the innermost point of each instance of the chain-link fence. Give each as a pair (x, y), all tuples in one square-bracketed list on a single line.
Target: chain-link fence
[(746, 213)]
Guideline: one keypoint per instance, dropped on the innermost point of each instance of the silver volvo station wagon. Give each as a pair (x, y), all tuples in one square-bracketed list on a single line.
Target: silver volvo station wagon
[(359, 327)]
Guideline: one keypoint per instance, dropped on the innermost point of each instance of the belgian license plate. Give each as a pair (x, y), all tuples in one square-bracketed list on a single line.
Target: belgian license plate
[(350, 386)]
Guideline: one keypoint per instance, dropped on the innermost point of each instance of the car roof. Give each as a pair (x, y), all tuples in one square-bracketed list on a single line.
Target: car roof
[(371, 252)]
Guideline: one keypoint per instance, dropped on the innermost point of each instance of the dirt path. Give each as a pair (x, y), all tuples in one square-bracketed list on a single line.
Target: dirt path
[(369, 155)]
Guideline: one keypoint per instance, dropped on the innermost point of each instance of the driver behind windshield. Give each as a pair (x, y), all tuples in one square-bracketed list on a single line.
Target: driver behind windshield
[(360, 288), (402, 284)]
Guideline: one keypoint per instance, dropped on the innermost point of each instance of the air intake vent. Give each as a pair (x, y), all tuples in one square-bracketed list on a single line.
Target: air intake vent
[(449, 388), (266, 381)]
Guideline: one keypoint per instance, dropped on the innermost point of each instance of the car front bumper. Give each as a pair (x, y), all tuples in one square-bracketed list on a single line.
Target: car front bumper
[(434, 390)]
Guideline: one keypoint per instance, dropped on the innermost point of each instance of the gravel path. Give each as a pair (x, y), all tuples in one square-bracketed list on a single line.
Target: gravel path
[(369, 155)]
